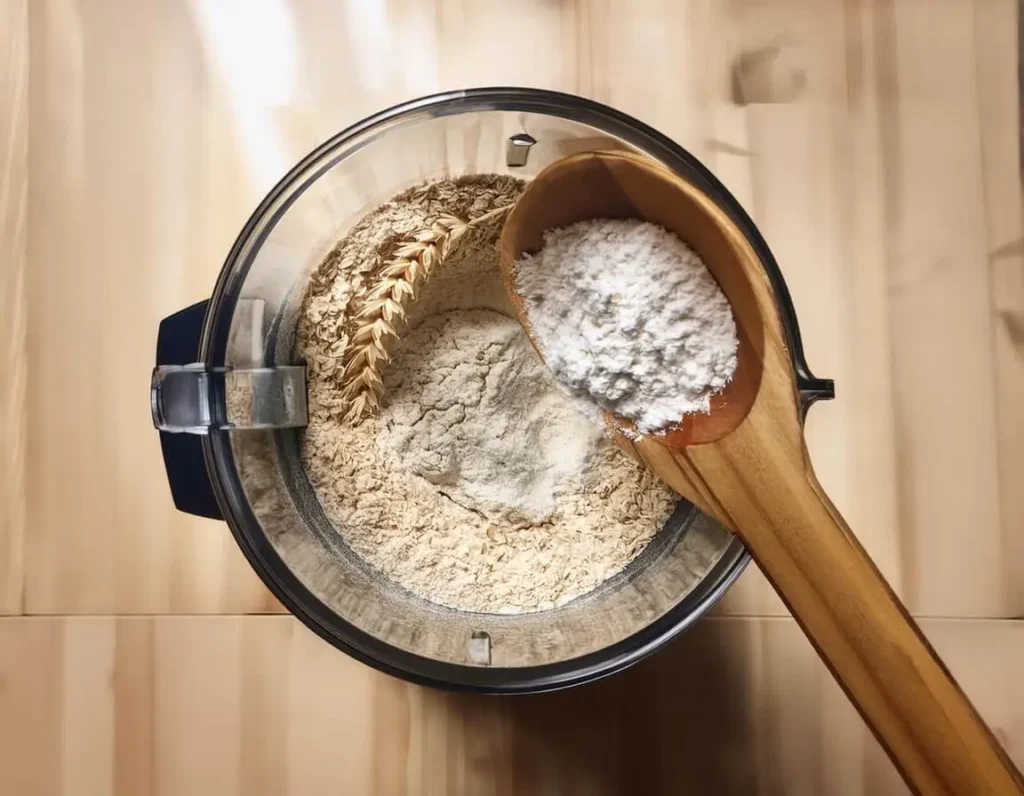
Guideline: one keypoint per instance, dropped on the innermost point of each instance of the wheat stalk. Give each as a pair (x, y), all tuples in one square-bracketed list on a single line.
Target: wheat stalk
[(384, 307)]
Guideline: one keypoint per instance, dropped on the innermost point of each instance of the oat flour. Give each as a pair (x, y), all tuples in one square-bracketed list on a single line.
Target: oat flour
[(473, 410), (478, 486)]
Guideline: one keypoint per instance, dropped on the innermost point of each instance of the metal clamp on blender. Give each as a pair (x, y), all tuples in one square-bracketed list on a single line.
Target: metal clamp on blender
[(189, 399)]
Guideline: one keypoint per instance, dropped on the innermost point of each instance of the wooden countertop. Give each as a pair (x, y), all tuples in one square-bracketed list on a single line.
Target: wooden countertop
[(135, 139)]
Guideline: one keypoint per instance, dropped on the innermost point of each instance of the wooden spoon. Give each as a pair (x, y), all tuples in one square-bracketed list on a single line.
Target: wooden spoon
[(746, 464)]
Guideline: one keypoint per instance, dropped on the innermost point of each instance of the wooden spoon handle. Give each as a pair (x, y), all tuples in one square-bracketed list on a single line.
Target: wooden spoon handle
[(860, 628), (875, 650)]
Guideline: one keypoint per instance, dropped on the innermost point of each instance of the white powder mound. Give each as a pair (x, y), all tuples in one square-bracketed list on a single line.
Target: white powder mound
[(628, 317), (473, 411)]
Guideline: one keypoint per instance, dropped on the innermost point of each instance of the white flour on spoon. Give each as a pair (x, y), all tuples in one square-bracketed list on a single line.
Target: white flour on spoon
[(628, 317)]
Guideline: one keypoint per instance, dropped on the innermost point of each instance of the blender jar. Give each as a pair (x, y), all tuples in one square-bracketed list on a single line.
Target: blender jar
[(228, 396)]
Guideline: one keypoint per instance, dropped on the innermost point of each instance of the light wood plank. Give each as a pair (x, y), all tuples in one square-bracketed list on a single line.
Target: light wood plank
[(87, 684), (814, 189), (254, 705), (31, 705), (995, 32), (157, 127), (134, 697), (884, 190), (940, 313), (13, 306), (127, 225)]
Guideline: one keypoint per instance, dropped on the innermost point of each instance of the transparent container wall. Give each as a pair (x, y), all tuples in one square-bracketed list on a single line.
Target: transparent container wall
[(371, 171), (690, 553)]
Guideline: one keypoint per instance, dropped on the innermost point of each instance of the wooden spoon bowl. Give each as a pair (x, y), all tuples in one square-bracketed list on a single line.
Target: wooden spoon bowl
[(745, 462), (623, 185)]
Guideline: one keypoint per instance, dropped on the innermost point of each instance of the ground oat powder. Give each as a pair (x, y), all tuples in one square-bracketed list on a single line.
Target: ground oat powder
[(479, 486), (473, 410)]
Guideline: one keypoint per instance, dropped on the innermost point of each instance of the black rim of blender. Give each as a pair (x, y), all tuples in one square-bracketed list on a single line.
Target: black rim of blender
[(264, 559)]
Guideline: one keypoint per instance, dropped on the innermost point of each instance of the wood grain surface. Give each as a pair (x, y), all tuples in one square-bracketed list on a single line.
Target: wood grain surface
[(13, 310), (898, 231), (135, 138), (258, 705), (128, 222)]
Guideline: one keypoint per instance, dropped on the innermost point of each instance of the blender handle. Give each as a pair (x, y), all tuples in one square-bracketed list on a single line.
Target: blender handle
[(178, 344)]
